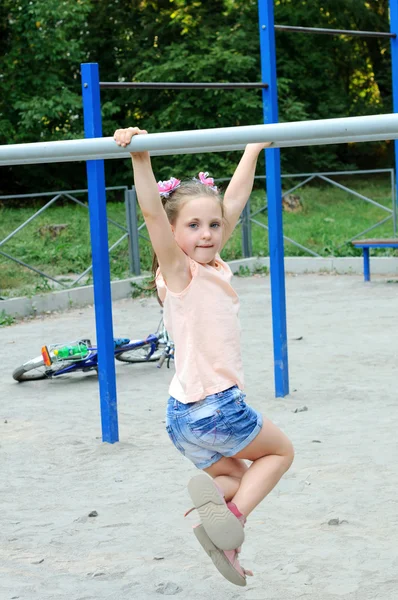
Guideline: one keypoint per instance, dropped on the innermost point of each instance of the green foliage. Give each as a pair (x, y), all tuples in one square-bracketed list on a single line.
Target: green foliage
[(142, 291), (329, 218), (41, 96), (6, 319), (42, 47), (43, 42), (248, 272)]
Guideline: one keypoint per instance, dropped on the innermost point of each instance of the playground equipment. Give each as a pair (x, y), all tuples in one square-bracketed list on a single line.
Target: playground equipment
[(334, 131)]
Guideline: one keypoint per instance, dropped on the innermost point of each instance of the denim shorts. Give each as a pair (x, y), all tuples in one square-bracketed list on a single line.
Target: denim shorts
[(219, 425)]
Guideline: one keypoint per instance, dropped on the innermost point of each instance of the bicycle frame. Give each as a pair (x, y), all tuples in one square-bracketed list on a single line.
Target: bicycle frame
[(91, 362)]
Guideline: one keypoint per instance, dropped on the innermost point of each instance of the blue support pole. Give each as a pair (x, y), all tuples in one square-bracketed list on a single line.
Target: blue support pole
[(100, 256), (366, 264), (274, 193), (394, 67)]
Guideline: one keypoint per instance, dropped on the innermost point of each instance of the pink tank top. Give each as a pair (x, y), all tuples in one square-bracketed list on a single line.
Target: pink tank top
[(202, 320)]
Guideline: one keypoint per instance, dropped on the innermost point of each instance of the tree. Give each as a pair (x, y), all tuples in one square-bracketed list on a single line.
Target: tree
[(43, 43), (42, 47)]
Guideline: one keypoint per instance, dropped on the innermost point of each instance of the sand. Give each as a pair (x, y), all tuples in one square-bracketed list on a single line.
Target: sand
[(328, 531)]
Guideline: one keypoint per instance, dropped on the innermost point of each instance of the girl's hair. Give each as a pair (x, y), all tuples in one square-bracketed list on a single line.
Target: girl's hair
[(172, 205)]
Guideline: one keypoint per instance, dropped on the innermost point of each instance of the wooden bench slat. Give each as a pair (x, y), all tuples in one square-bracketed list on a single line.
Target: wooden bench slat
[(380, 242)]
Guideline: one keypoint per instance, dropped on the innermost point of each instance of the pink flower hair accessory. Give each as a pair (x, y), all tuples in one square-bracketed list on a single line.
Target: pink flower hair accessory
[(168, 187), (206, 180)]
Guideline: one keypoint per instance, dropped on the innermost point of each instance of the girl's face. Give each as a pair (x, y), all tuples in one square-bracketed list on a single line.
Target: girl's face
[(198, 229)]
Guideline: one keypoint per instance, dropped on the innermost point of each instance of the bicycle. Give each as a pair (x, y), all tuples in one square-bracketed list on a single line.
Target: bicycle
[(81, 355)]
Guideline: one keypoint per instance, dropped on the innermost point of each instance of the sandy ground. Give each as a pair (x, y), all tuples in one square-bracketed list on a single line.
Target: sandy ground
[(328, 531)]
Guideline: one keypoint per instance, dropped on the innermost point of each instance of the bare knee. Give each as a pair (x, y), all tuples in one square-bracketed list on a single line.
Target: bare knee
[(288, 455)]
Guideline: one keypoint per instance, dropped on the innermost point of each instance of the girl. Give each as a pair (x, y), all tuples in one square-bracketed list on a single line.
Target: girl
[(208, 419)]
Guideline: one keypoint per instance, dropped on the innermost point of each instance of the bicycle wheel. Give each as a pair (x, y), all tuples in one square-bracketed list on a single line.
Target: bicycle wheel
[(34, 369), (140, 354)]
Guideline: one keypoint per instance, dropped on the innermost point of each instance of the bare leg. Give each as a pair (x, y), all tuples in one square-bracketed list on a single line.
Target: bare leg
[(227, 474), (272, 454)]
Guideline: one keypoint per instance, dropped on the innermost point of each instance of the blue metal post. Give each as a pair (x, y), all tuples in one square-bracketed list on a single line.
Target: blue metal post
[(394, 67), (100, 256), (366, 264), (274, 193)]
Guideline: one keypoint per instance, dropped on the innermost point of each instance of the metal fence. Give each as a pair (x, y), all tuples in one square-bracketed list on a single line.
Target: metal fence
[(248, 217), (134, 232), (54, 197)]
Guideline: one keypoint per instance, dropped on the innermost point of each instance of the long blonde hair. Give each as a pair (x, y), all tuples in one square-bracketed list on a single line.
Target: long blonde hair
[(172, 205)]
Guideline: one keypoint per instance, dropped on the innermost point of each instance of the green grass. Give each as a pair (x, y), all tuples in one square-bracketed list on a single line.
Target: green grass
[(6, 319), (328, 219)]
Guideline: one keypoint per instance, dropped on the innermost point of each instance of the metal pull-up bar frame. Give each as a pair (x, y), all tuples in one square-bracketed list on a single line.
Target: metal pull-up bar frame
[(159, 85), (222, 139), (324, 31)]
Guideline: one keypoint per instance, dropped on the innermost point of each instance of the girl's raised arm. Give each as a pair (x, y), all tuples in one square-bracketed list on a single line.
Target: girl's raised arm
[(240, 187), (170, 256)]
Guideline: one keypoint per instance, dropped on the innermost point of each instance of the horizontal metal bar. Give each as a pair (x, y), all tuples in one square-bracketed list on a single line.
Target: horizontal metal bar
[(60, 192), (172, 85), (283, 135), (349, 32), (300, 184), (292, 175), (111, 155)]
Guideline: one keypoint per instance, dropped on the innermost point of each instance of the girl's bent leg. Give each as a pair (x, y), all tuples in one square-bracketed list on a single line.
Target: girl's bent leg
[(272, 454), (227, 474)]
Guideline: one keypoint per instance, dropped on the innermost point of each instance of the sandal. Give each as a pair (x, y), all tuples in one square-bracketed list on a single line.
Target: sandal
[(226, 562), (224, 529)]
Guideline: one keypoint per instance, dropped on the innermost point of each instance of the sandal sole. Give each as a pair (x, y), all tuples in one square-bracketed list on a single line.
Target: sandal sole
[(218, 557), (223, 528)]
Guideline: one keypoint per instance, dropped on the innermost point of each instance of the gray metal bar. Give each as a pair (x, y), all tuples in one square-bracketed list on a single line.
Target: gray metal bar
[(357, 172), (260, 210), (141, 235), (29, 220), (291, 175), (128, 223), (247, 248), (354, 193), (322, 30), (298, 186), (299, 133), (20, 262), (288, 239), (131, 220), (394, 201), (156, 85), (119, 241), (40, 194)]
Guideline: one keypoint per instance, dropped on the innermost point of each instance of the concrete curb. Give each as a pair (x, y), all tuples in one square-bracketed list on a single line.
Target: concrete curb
[(64, 299), (379, 265)]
